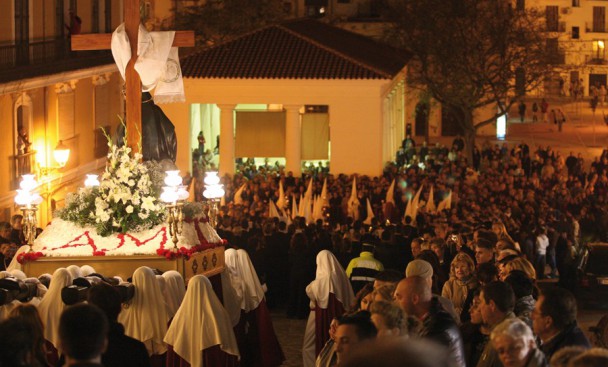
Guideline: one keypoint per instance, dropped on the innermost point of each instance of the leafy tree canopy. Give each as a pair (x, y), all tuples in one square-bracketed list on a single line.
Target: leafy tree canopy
[(469, 54)]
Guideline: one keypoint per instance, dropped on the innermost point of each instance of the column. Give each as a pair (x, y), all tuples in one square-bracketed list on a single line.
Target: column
[(226, 139), (293, 140)]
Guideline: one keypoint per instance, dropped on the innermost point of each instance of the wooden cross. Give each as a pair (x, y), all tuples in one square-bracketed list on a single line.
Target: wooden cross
[(83, 42)]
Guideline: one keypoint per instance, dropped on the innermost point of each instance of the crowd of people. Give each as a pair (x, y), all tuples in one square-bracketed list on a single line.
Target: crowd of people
[(516, 216), (546, 206), (458, 283), (11, 238)]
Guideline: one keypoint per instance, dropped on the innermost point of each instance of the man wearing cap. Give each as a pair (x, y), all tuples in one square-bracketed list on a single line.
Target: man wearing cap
[(423, 269), (363, 269)]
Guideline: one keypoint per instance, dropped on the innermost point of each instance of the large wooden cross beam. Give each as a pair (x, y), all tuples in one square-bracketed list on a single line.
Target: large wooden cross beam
[(133, 83)]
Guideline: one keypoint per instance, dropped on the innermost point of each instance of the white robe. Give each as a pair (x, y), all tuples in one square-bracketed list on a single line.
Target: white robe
[(330, 278), (201, 322), (145, 318)]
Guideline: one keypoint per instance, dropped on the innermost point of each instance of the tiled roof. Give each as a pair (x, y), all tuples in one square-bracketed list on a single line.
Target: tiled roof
[(301, 49)]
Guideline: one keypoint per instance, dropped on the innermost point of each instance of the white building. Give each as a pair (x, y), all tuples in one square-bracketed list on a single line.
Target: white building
[(579, 35), (301, 90)]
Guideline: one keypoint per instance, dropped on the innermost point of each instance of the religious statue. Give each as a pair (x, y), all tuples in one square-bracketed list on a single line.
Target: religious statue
[(23, 141), (158, 132)]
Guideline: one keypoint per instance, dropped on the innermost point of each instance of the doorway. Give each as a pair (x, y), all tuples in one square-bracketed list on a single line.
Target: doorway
[(596, 81), (422, 119)]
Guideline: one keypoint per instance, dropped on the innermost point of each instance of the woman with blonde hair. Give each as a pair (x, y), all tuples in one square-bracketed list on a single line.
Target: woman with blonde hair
[(389, 319), (518, 263), (501, 231), (384, 293), (461, 282)]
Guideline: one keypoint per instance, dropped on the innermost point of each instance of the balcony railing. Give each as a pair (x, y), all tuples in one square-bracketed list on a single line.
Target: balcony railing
[(43, 57), (594, 58)]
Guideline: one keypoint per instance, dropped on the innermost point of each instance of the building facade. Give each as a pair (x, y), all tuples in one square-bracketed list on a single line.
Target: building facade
[(577, 45), (51, 95)]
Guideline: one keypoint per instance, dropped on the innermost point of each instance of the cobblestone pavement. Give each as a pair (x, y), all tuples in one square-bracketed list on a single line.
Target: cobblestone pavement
[(291, 335)]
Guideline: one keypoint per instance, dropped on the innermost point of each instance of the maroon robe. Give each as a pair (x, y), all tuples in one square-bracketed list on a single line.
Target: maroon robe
[(258, 344), (212, 357), (323, 317), (51, 353), (158, 360)]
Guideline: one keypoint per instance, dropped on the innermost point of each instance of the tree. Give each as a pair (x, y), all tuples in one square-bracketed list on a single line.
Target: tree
[(221, 20), (470, 54)]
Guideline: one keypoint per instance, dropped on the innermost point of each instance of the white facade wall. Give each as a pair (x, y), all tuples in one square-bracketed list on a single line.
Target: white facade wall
[(357, 109)]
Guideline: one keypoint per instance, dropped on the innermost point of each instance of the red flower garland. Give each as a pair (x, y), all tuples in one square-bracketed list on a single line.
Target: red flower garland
[(169, 254), (24, 257)]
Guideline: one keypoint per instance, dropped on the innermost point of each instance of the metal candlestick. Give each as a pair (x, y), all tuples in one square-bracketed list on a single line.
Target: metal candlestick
[(175, 221), (29, 224)]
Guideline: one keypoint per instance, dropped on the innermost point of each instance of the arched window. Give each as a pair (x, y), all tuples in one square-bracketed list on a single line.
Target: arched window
[(22, 147)]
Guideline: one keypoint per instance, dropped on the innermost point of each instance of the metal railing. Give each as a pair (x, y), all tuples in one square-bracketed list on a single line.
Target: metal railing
[(34, 52), (595, 58), (40, 57), (592, 27)]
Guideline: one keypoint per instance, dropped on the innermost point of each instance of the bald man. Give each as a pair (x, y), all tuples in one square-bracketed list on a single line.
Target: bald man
[(422, 269), (414, 296)]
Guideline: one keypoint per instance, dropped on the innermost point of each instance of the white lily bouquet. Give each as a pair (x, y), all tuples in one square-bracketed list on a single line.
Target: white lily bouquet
[(126, 200)]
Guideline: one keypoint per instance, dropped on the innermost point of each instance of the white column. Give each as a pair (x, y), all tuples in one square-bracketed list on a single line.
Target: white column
[(293, 140), (226, 139)]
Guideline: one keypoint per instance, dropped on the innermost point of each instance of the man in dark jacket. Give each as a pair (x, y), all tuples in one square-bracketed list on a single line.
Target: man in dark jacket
[(122, 350), (497, 301), (414, 296), (82, 334), (554, 321)]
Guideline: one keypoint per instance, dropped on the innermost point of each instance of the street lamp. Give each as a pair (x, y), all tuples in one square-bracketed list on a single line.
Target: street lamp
[(173, 196), (61, 154), (28, 201), (213, 193)]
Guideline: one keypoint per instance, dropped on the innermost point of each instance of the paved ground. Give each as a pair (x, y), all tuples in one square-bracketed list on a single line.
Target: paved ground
[(579, 134), (291, 335), (584, 131)]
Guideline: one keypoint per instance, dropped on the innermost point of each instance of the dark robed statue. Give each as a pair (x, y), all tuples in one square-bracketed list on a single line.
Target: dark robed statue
[(158, 132)]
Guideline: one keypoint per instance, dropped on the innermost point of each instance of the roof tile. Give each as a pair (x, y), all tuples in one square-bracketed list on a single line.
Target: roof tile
[(301, 49)]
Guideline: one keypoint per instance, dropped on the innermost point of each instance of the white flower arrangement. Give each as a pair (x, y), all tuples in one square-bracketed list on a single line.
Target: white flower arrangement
[(126, 200)]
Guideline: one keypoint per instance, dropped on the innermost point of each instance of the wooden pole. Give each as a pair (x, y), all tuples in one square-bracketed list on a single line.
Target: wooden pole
[(133, 83), (132, 80)]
